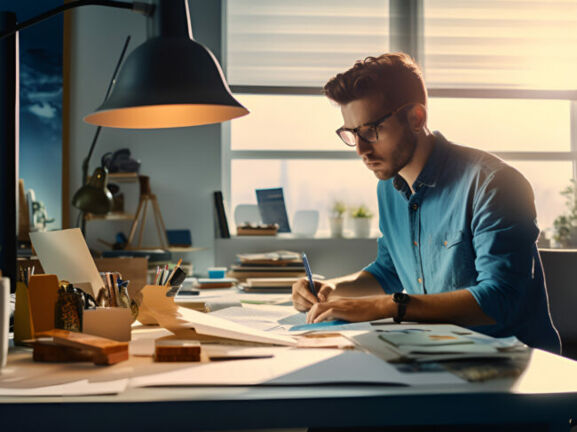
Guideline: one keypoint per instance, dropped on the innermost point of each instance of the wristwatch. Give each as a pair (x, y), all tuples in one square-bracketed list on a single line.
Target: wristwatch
[(402, 300)]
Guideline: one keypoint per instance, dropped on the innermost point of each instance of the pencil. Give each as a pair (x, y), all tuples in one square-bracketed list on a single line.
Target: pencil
[(157, 275), (115, 289)]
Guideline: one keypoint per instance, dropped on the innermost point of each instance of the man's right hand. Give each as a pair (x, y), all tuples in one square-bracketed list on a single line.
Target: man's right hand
[(304, 299)]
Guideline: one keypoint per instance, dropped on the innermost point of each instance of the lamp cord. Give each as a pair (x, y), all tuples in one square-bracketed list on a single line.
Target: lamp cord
[(140, 7)]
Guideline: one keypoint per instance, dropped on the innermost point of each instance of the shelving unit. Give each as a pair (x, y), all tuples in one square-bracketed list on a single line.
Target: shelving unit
[(112, 216)]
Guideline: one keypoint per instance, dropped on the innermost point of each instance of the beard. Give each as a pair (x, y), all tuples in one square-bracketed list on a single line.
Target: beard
[(400, 157)]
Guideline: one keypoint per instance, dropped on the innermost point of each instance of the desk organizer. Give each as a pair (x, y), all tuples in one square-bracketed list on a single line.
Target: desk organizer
[(154, 304), (108, 322), (35, 306), (23, 327)]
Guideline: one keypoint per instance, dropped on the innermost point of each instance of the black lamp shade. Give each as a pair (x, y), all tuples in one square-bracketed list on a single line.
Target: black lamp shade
[(168, 82), (94, 197)]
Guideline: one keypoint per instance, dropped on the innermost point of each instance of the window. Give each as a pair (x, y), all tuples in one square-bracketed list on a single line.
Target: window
[(501, 74)]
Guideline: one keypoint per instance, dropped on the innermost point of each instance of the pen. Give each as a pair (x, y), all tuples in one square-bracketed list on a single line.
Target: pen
[(309, 275), (172, 273)]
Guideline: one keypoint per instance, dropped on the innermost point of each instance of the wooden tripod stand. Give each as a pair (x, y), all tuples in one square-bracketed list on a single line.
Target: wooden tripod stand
[(146, 197)]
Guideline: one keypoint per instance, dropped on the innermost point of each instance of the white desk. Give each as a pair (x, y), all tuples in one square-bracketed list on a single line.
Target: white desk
[(545, 394), (524, 400)]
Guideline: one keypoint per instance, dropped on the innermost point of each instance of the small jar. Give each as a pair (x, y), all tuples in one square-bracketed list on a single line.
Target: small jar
[(68, 308)]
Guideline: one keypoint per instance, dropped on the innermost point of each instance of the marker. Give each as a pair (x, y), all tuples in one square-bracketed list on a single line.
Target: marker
[(309, 275)]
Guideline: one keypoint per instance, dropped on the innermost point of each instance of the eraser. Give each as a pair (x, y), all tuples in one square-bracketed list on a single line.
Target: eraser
[(177, 350)]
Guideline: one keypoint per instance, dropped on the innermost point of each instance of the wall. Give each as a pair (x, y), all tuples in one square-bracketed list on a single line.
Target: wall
[(183, 163)]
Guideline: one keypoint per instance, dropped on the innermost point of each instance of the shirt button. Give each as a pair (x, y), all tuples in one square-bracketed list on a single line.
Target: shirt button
[(415, 206), (445, 242), (415, 243), (420, 280)]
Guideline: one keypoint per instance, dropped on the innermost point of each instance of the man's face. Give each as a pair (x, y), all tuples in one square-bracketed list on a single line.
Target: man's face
[(395, 145)]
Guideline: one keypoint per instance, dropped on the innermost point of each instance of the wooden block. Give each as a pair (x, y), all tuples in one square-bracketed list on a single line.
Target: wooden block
[(43, 294), (50, 351), (177, 350), (111, 358), (96, 344)]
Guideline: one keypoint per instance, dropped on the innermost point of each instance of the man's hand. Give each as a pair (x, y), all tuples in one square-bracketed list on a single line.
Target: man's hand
[(352, 309), (303, 298)]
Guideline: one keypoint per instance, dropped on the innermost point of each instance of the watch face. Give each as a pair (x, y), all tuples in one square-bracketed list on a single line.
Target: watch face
[(401, 298)]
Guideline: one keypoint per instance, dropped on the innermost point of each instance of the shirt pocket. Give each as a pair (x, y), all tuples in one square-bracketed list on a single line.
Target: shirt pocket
[(459, 259), (453, 239)]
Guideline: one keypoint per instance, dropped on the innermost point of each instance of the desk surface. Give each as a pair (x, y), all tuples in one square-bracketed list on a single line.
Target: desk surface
[(545, 393)]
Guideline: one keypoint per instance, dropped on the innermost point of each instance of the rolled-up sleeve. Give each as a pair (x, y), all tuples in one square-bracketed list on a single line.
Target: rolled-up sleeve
[(504, 232), (383, 269)]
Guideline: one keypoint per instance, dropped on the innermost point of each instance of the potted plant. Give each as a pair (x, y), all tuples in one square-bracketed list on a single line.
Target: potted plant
[(565, 225), (362, 216), (337, 218)]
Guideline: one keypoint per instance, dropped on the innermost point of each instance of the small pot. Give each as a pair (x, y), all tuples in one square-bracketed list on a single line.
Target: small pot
[(336, 224), (362, 227)]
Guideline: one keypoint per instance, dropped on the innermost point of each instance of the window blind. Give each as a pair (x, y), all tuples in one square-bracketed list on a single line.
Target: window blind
[(301, 43), (523, 44)]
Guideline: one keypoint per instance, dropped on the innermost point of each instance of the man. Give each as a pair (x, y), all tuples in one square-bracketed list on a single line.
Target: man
[(458, 224)]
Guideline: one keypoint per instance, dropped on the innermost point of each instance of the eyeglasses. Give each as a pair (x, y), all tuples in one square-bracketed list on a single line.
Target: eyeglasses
[(368, 132)]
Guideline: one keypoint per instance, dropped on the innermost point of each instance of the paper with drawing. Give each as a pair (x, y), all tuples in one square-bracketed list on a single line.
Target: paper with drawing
[(156, 306)]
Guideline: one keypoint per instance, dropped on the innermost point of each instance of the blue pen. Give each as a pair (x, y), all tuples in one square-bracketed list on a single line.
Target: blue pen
[(309, 275)]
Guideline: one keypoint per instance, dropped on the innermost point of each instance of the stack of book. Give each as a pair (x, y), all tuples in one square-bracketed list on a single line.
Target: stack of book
[(269, 285), (280, 264), (215, 283)]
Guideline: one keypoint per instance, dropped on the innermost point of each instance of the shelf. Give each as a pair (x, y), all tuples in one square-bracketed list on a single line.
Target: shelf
[(109, 216), (185, 249), (123, 177)]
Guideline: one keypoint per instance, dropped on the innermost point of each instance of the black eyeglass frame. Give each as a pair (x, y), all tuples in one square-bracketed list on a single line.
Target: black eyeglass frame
[(374, 125)]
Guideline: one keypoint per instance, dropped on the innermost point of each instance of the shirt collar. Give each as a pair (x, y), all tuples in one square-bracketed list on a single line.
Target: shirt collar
[(432, 169)]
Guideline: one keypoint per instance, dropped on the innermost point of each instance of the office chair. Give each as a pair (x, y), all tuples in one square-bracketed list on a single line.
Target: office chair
[(560, 267)]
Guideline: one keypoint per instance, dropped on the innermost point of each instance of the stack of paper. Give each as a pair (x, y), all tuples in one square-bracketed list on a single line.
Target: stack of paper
[(433, 342), (273, 285)]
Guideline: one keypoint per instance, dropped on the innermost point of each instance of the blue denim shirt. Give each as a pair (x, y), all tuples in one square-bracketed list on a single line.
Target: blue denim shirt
[(471, 224)]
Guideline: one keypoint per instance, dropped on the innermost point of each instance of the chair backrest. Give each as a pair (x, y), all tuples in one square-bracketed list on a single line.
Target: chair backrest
[(560, 267)]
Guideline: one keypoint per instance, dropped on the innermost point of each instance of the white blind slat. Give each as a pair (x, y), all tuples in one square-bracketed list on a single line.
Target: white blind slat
[(301, 43)]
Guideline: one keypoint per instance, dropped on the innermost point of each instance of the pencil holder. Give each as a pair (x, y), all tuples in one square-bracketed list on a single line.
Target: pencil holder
[(155, 307), (23, 327), (109, 322)]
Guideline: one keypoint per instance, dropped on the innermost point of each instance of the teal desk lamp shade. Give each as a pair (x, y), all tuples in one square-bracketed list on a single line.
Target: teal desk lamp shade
[(169, 81), (94, 196)]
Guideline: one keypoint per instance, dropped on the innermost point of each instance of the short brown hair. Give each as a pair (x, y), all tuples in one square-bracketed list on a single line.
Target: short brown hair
[(396, 76)]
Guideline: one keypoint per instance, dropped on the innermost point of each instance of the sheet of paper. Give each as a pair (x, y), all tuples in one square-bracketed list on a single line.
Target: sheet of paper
[(261, 317), (176, 319), (65, 254), (230, 352), (297, 367), (76, 388), (267, 313)]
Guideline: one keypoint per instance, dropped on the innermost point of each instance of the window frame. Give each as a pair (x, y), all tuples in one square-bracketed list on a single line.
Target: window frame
[(407, 34)]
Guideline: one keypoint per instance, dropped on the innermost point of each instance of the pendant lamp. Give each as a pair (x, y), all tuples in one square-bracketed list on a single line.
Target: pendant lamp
[(169, 81)]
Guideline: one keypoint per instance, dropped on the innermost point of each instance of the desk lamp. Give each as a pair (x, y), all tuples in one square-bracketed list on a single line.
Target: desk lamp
[(168, 81)]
